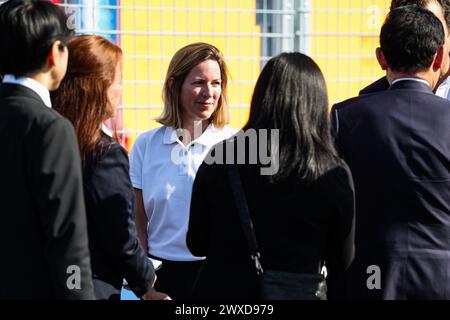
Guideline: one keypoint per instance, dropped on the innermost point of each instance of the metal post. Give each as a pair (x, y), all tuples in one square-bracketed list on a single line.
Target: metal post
[(303, 23), (284, 25)]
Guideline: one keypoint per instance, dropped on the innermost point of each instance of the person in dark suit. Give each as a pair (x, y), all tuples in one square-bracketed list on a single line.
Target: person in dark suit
[(89, 95), (43, 233), (396, 145), (441, 8), (301, 204)]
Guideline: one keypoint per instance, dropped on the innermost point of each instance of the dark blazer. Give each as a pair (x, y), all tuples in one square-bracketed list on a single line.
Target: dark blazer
[(377, 86), (397, 145), (297, 225), (115, 250), (43, 229)]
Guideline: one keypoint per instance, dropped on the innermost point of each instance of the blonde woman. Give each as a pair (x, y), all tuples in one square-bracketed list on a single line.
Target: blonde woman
[(164, 161)]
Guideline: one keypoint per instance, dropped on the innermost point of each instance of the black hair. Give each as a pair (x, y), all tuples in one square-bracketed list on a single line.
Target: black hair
[(28, 29), (291, 96), (446, 7), (410, 38), (421, 3)]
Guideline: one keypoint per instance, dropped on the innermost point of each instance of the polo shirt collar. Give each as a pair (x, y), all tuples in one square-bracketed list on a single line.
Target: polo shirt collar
[(170, 135), (208, 137)]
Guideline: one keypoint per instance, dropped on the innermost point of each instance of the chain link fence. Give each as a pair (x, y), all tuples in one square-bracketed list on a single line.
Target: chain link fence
[(341, 35)]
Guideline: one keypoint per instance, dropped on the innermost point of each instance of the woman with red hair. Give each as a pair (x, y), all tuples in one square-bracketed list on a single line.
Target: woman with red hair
[(90, 94)]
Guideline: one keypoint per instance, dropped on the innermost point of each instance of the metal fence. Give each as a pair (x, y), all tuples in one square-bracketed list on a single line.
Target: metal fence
[(341, 35)]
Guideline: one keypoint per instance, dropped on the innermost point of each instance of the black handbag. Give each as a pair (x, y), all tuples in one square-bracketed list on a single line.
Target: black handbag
[(274, 284)]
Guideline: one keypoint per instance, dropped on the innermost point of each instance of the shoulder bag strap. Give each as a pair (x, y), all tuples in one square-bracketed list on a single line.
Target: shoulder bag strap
[(244, 214)]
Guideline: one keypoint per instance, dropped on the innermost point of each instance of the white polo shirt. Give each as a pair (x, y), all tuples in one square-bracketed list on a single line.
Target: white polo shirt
[(164, 169)]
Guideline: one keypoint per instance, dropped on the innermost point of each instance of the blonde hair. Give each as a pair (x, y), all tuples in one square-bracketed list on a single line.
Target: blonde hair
[(181, 64)]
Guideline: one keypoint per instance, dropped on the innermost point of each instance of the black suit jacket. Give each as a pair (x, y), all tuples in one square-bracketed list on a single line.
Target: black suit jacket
[(397, 145), (377, 86), (115, 251), (43, 233)]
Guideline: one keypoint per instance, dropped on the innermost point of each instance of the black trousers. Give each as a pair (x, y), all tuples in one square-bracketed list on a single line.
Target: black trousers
[(177, 278), (105, 291)]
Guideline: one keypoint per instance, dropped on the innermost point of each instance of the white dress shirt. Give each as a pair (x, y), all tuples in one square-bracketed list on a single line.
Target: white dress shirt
[(32, 84), (444, 89), (164, 169), (411, 79)]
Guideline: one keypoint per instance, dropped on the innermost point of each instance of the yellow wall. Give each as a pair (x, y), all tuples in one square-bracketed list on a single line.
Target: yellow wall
[(162, 46), (343, 43)]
